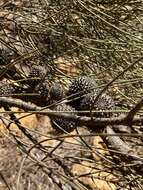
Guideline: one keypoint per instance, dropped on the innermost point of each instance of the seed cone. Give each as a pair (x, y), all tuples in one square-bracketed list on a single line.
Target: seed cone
[(6, 89), (104, 103), (56, 92), (60, 124), (79, 87), (35, 73), (42, 91), (10, 90)]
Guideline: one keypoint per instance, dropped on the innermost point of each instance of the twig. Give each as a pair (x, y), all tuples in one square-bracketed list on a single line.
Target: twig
[(114, 79), (20, 127), (132, 113), (4, 180)]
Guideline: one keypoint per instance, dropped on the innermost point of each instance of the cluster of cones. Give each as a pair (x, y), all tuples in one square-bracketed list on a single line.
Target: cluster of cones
[(80, 96)]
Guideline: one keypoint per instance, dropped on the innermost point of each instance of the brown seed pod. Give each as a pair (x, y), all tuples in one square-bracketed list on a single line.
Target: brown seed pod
[(36, 74), (60, 124), (79, 87), (104, 103), (56, 92)]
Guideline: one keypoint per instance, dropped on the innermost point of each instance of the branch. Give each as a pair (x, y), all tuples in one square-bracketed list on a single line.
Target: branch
[(92, 123), (80, 120), (132, 113)]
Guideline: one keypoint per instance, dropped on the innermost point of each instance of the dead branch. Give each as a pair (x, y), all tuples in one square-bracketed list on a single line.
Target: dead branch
[(132, 113), (80, 120)]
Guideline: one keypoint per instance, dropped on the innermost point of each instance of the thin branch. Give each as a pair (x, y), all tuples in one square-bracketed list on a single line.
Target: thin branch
[(132, 113), (5, 182), (114, 79), (80, 120)]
